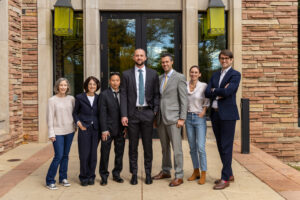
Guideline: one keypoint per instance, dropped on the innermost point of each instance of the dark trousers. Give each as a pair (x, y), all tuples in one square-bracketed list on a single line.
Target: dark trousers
[(119, 144), (62, 146), (87, 149), (140, 123), (224, 132)]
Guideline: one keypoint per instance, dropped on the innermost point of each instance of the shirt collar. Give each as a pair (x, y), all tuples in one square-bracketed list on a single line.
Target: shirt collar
[(137, 69), (169, 74), (225, 70), (114, 90)]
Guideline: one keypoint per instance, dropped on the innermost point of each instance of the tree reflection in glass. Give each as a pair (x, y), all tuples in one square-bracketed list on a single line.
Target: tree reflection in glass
[(209, 49), (121, 44), (69, 56), (160, 39)]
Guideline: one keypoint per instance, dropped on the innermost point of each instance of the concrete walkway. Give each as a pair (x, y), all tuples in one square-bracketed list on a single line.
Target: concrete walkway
[(25, 179)]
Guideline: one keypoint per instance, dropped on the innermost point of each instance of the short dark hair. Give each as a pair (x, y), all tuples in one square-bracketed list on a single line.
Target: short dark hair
[(167, 54), (226, 52), (195, 66), (86, 83), (114, 73)]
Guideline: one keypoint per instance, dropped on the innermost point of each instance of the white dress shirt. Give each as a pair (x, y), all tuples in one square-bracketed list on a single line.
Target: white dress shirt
[(223, 73), (137, 74)]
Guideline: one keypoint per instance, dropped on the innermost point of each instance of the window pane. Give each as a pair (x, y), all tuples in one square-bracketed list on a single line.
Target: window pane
[(121, 44), (68, 60), (160, 39), (209, 49)]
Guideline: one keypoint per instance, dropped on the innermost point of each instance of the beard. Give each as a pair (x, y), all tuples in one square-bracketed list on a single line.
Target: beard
[(139, 64)]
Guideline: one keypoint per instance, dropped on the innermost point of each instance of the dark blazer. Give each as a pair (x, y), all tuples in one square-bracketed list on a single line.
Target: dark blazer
[(227, 104), (109, 113), (129, 94), (84, 112)]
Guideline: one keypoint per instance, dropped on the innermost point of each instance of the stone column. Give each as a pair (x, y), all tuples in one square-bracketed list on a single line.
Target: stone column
[(4, 86), (190, 35), (45, 64), (91, 41), (235, 45)]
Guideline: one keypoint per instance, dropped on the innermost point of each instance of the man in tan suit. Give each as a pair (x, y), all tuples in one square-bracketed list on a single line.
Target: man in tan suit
[(173, 110)]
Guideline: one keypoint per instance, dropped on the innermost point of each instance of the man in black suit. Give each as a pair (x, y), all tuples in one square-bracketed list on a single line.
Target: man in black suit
[(111, 129), (139, 105)]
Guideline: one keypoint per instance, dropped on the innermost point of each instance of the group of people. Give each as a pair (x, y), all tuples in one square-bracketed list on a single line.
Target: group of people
[(132, 106)]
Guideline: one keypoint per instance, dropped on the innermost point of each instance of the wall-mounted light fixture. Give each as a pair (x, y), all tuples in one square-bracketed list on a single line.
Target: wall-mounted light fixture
[(63, 18)]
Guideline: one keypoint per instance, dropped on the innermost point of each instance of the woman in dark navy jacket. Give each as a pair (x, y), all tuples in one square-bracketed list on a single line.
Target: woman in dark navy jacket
[(85, 115)]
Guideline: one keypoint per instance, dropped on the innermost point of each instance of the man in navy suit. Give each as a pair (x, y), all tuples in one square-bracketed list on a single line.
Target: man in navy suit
[(139, 105), (222, 89)]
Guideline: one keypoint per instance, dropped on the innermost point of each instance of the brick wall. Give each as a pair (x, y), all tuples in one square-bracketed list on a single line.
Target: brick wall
[(270, 75), (30, 69), (15, 75), (23, 66)]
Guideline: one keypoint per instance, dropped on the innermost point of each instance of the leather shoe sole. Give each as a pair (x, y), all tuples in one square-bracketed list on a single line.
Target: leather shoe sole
[(222, 185), (161, 175), (103, 182), (118, 179), (133, 180), (176, 182), (148, 180), (231, 179)]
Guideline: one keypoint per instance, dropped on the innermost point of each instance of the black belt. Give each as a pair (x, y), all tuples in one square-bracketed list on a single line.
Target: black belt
[(143, 107)]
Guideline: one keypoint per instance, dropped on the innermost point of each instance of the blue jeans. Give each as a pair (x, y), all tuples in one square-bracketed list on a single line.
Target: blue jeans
[(196, 133), (62, 147)]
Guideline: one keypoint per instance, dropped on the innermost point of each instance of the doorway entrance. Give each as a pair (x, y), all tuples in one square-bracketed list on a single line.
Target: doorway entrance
[(121, 33)]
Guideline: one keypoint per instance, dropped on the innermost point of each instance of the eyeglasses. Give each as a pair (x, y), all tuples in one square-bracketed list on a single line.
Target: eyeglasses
[(224, 58)]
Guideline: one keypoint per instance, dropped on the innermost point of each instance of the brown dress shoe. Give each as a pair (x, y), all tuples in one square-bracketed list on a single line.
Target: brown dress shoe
[(231, 179), (161, 175), (221, 185), (176, 182)]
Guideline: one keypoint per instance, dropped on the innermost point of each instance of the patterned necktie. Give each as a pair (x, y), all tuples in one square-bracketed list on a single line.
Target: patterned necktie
[(165, 83), (141, 87)]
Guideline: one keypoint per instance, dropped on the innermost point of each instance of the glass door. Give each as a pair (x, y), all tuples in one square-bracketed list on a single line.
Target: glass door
[(122, 33)]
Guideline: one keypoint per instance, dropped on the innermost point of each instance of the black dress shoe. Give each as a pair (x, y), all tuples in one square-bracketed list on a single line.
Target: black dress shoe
[(148, 180), (133, 180), (103, 181), (118, 179), (84, 183), (91, 182)]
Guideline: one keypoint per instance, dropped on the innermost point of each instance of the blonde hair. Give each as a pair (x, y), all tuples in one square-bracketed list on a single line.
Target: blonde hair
[(56, 86)]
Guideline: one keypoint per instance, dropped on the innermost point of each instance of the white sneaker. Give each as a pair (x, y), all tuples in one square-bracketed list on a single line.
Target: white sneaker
[(51, 187), (65, 183)]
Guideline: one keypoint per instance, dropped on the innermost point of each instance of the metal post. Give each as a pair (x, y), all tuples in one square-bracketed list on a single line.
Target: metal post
[(245, 138)]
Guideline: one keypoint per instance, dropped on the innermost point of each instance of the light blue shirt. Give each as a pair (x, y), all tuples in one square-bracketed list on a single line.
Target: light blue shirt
[(163, 81), (137, 74)]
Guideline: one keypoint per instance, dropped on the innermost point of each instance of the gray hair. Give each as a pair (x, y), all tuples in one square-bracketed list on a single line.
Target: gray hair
[(56, 86)]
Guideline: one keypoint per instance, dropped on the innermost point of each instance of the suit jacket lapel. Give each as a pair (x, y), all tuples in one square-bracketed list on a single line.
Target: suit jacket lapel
[(86, 100), (95, 100), (217, 79), (112, 96), (170, 80), (133, 79), (147, 80), (225, 78)]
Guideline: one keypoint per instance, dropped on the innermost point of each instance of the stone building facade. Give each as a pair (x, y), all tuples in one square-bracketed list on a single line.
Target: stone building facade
[(263, 34)]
